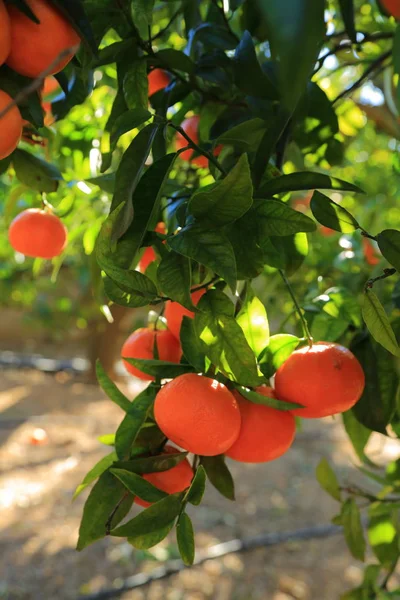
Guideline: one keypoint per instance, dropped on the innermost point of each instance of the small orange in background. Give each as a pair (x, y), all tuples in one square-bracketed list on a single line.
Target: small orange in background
[(140, 344), (174, 313), (11, 126), (326, 231), (35, 46), (198, 414), (37, 233), (172, 481), (392, 7), (326, 379), (158, 80), (39, 437), (191, 127), (5, 33), (265, 433), (50, 86), (370, 252), (149, 255)]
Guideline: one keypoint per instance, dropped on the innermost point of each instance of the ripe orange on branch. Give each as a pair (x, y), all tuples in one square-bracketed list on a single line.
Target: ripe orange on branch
[(265, 432), (326, 379), (11, 126), (149, 255), (35, 46), (172, 481), (158, 80), (140, 344), (37, 233), (198, 414), (5, 33), (174, 312)]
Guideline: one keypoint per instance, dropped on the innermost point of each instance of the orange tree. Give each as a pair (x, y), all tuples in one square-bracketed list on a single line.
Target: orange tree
[(224, 121)]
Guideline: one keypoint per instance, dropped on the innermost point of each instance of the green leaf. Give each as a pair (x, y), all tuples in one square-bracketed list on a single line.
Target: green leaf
[(223, 339), (102, 500), (99, 468), (227, 199), (104, 182), (384, 538), (245, 136), (133, 421), (185, 539), (293, 250), (396, 61), (140, 295), (136, 85), (197, 487), (279, 349), (175, 278), (249, 76), (305, 180), (257, 398), (210, 248), (36, 173), (142, 16), (332, 215), (192, 347), (377, 404), (174, 59), (353, 530), (347, 10), (378, 323), (127, 178), (150, 521), (152, 464), (111, 389), (253, 320), (129, 120), (219, 475), (389, 244), (139, 486), (294, 25), (357, 433), (327, 479), (277, 219), (159, 368)]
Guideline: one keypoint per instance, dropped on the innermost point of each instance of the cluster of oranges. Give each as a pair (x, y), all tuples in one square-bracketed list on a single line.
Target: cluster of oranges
[(205, 417)]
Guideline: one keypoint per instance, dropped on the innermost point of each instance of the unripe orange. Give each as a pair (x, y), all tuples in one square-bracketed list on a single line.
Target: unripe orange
[(34, 47), (5, 33), (10, 126), (140, 344), (174, 313), (198, 414), (37, 233), (326, 379), (265, 433), (172, 481)]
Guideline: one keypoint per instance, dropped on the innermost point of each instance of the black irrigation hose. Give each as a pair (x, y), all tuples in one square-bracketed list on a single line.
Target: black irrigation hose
[(238, 545)]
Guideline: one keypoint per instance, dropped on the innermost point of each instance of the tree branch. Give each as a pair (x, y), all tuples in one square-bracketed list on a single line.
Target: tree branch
[(376, 65)]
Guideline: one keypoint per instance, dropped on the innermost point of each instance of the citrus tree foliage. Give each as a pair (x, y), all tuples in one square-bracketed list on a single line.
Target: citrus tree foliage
[(290, 160)]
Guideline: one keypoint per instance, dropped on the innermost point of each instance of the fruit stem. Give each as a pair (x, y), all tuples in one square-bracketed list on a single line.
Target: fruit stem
[(304, 323)]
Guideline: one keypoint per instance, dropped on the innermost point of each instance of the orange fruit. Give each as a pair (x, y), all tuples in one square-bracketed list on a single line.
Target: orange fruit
[(50, 86), (191, 127), (149, 255), (34, 47), (158, 80), (198, 414), (326, 231), (10, 126), (370, 253), (174, 312), (265, 433), (5, 33), (392, 7), (37, 233), (140, 344), (326, 378), (172, 481)]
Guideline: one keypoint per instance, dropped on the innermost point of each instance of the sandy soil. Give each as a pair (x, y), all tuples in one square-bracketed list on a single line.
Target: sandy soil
[(39, 522)]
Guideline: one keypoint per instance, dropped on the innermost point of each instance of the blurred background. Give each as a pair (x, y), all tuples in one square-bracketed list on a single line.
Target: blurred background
[(55, 323)]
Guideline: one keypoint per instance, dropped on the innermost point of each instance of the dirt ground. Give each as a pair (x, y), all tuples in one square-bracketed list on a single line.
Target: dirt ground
[(39, 522)]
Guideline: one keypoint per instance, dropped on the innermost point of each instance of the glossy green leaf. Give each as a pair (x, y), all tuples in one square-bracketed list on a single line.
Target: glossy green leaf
[(389, 244), (378, 323), (135, 85), (128, 121), (257, 398), (293, 250), (142, 16), (185, 539), (329, 213), (347, 10), (133, 421), (174, 277), (192, 347), (102, 500), (219, 475), (280, 347), (304, 180), (278, 219), (253, 320), (99, 468), (111, 389), (36, 173), (226, 200), (249, 76), (197, 487), (139, 486), (245, 136), (142, 290), (353, 530), (384, 538), (175, 59), (152, 464), (159, 368), (327, 479), (358, 434)]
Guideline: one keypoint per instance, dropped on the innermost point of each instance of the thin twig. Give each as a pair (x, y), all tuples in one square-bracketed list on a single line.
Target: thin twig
[(386, 273), (391, 571), (304, 324), (193, 145), (377, 64), (172, 19), (37, 82)]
